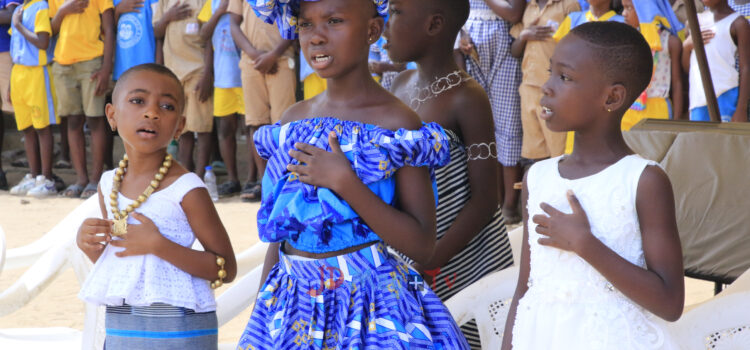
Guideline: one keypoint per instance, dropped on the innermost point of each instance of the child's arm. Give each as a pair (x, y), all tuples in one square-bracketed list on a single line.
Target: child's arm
[(239, 37), (531, 33), (127, 6), (204, 220), (102, 76), (675, 52), (687, 47), (68, 8), (6, 14), (509, 10), (479, 209), (266, 62), (409, 229), (523, 271), (740, 31), (93, 232), (659, 287), (205, 87), (39, 39), (177, 12), (208, 26)]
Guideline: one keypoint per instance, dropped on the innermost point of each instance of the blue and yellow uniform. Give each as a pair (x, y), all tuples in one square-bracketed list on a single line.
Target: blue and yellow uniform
[(30, 81)]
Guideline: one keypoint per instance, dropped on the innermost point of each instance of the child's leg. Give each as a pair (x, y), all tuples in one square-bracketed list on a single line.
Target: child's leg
[(227, 129), (93, 108), (203, 155), (199, 119), (185, 150), (31, 145), (45, 150), (77, 142), (70, 107), (64, 145)]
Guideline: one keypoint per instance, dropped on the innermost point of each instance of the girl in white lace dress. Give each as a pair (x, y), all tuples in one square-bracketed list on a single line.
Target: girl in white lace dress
[(601, 265), (156, 288)]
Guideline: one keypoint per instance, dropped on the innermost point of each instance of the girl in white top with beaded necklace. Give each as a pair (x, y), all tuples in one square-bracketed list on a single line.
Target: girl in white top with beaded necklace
[(157, 289)]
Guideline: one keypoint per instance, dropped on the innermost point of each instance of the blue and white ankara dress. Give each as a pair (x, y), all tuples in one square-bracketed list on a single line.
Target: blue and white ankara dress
[(361, 300)]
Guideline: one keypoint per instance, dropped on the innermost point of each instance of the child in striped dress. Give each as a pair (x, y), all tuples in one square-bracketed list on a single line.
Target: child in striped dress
[(472, 240), (499, 73)]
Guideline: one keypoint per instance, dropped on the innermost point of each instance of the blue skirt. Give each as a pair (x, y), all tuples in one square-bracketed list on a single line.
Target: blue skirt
[(367, 299)]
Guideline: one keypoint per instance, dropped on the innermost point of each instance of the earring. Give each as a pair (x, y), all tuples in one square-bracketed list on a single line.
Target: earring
[(609, 110)]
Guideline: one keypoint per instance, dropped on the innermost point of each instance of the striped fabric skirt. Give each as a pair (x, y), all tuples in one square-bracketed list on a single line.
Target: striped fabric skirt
[(159, 326), (367, 299)]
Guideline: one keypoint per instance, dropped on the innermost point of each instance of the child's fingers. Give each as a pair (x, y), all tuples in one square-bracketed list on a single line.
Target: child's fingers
[(333, 141), (551, 211), (574, 203), (299, 169), (540, 220), (301, 157), (143, 219), (306, 148), (542, 230), (546, 241)]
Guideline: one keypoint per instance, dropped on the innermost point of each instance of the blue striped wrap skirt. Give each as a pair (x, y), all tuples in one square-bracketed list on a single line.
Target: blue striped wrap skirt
[(160, 326), (367, 299)]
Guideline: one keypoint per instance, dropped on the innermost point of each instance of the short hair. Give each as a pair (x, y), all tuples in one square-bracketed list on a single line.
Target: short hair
[(622, 54), (150, 67), (456, 12)]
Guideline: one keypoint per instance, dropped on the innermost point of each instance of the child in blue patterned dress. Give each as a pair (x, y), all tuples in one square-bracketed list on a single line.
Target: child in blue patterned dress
[(348, 173)]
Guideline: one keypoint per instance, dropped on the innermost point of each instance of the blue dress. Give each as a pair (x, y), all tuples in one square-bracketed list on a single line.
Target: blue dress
[(361, 300)]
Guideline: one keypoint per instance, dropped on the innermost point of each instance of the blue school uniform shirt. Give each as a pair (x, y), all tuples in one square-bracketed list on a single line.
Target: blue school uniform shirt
[(315, 219), (4, 36), (36, 19), (135, 39), (226, 54)]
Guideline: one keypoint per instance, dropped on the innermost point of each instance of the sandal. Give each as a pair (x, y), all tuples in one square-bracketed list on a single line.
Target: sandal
[(62, 164), (89, 190), (251, 192), (73, 191), (229, 188)]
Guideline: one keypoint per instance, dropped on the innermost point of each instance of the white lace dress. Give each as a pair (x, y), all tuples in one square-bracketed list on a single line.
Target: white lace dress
[(146, 279), (569, 305)]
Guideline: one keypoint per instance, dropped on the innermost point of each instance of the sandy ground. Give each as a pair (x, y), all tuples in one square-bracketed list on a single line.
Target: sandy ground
[(58, 306)]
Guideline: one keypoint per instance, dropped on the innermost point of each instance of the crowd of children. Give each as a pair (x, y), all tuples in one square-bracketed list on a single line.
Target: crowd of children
[(350, 172)]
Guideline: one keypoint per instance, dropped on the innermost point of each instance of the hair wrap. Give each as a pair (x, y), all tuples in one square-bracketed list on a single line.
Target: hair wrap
[(285, 12)]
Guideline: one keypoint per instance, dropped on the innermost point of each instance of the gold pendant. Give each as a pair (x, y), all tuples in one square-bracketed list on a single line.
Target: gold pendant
[(120, 227)]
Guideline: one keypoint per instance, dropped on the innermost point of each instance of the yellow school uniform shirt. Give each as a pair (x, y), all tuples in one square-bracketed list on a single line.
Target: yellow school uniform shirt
[(262, 36), (79, 38)]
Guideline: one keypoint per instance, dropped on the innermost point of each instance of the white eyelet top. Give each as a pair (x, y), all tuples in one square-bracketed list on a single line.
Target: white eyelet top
[(146, 279)]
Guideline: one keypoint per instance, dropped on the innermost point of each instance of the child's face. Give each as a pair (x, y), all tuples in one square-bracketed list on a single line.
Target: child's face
[(576, 89), (404, 39), (628, 11), (146, 110), (335, 35)]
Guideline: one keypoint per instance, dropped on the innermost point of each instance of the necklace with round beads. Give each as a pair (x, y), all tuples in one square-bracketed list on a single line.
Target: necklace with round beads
[(120, 226)]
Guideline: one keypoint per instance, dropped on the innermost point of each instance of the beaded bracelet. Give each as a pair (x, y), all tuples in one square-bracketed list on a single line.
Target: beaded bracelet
[(221, 274)]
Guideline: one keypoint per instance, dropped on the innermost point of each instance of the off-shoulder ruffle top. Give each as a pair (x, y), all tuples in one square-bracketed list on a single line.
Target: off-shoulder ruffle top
[(315, 219)]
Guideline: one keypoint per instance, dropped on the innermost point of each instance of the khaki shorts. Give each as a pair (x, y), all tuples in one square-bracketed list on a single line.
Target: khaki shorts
[(5, 66), (538, 141), (267, 96), (199, 115), (75, 88)]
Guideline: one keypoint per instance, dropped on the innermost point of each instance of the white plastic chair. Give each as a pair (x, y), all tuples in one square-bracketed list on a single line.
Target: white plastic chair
[(720, 323), (487, 300)]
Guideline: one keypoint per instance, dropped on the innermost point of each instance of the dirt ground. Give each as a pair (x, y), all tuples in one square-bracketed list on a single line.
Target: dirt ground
[(25, 220)]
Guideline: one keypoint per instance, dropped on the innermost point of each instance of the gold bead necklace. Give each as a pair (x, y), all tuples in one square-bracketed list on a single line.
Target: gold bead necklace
[(120, 226)]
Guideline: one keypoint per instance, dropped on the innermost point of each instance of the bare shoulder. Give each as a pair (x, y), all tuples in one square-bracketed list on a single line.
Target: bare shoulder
[(653, 182), (471, 100), (397, 115), (402, 80), (297, 111)]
